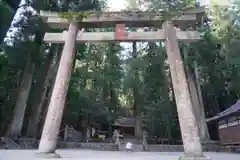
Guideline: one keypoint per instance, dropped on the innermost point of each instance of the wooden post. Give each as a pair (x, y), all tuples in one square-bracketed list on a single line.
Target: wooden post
[(66, 132), (144, 141), (53, 120), (189, 130)]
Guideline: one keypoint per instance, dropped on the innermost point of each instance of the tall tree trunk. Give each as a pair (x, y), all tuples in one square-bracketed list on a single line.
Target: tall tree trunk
[(49, 88), (21, 103), (113, 105), (41, 91), (136, 105), (197, 80), (25, 6), (45, 104), (204, 132), (196, 99), (10, 104), (138, 122), (193, 94)]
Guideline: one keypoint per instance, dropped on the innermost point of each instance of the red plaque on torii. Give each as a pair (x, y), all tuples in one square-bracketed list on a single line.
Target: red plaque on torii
[(120, 32)]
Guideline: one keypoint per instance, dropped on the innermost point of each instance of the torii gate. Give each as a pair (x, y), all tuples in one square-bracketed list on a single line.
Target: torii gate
[(120, 20)]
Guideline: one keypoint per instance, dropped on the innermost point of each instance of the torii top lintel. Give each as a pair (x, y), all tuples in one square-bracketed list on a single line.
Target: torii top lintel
[(189, 17)]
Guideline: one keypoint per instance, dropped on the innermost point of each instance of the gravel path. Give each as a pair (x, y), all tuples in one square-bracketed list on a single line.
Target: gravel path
[(107, 155)]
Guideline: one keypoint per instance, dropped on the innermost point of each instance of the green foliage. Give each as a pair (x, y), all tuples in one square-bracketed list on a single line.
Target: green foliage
[(218, 58), (75, 16), (6, 14), (9, 82), (93, 88)]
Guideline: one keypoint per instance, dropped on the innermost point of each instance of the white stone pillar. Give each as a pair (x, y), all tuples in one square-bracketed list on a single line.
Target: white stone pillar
[(53, 120), (188, 125)]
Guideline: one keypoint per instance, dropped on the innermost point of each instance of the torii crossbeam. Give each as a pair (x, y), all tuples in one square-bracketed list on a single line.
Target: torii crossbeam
[(82, 37), (130, 19), (169, 33)]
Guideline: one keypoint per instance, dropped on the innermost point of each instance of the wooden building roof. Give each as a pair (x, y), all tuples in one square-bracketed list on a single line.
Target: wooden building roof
[(233, 109)]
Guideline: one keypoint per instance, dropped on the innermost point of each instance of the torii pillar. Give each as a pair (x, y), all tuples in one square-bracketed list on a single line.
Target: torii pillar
[(53, 120), (188, 125)]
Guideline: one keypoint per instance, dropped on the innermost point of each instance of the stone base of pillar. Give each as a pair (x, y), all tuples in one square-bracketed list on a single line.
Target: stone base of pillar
[(47, 155), (194, 158)]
